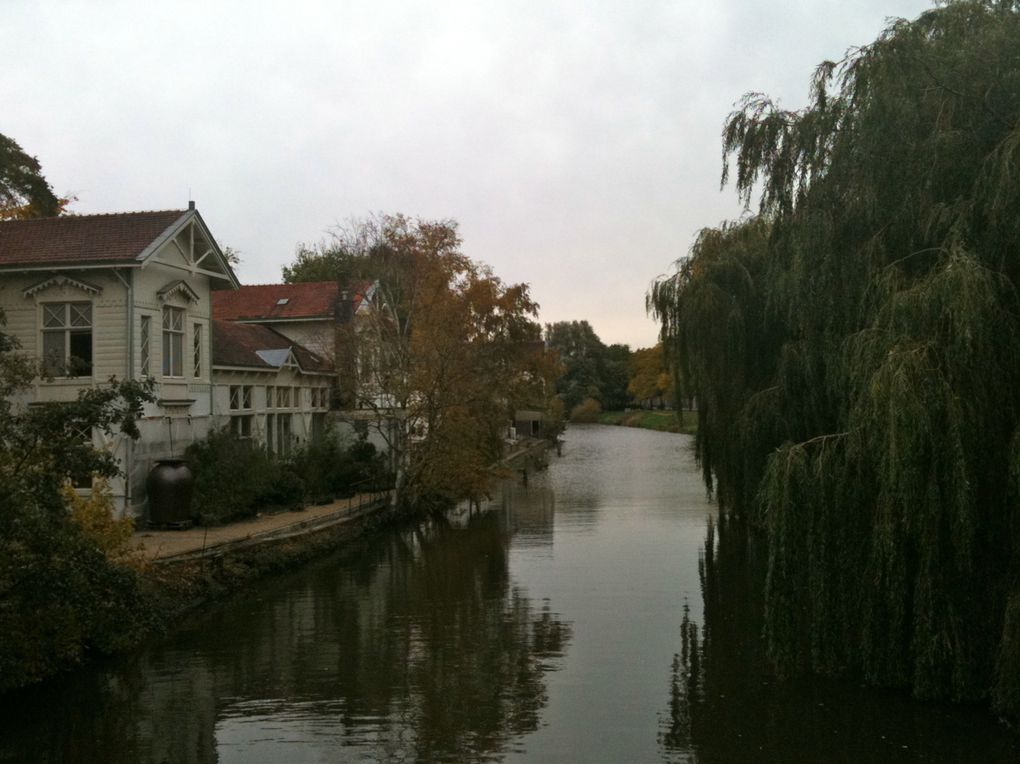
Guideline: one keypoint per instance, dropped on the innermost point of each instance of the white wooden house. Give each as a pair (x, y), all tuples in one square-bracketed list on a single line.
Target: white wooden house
[(328, 320), (306, 312), (129, 295), (268, 387)]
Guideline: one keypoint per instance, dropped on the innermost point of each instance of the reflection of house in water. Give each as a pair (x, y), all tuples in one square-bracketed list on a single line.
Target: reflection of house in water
[(526, 511)]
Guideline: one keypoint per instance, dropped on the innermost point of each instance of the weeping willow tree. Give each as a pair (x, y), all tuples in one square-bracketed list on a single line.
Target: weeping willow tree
[(855, 351)]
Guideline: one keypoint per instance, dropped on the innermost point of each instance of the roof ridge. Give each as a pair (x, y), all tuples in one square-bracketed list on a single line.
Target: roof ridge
[(284, 284), (76, 216)]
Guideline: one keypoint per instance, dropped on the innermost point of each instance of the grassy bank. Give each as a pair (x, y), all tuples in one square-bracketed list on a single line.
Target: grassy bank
[(663, 421)]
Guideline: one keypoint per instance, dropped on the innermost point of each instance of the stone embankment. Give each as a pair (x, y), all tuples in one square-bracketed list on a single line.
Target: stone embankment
[(161, 547), (528, 454)]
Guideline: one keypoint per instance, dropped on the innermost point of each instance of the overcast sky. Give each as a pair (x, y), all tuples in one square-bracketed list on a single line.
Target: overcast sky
[(576, 143)]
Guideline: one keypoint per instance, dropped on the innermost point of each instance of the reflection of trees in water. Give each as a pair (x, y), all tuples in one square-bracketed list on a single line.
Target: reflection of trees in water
[(719, 662), (528, 512), (133, 712), (724, 704), (684, 688), (420, 643), (463, 654)]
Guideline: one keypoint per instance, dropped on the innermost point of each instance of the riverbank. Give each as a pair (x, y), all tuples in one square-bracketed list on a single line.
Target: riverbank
[(184, 570), (661, 421), (186, 579), (187, 570), (174, 545), (172, 574)]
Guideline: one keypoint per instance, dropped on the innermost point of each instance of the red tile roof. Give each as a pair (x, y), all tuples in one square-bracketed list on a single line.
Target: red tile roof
[(261, 302), (81, 239), (238, 345)]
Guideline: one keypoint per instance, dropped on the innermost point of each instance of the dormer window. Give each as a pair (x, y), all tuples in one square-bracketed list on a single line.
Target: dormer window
[(67, 339)]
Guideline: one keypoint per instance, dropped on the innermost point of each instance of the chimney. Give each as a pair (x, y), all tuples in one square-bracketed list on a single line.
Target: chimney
[(191, 204)]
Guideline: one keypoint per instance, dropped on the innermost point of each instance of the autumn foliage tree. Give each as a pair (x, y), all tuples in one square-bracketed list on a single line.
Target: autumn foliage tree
[(853, 352), (650, 381), (446, 351)]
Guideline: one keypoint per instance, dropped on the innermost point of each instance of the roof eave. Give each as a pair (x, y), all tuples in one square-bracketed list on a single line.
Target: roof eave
[(68, 265)]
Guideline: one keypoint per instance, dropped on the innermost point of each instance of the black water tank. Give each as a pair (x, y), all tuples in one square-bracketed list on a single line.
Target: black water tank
[(169, 487)]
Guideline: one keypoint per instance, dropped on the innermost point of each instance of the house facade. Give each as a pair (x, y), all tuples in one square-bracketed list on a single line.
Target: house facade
[(306, 312), (130, 295), (328, 320), (267, 387)]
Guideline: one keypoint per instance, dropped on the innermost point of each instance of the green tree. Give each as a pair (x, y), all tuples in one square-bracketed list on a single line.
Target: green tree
[(24, 192), (852, 352), (591, 369), (321, 263), (60, 595)]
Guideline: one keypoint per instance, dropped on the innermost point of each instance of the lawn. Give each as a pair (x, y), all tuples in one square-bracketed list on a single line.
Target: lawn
[(664, 421)]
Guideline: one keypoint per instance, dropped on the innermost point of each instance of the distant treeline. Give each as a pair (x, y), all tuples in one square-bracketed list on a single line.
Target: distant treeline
[(597, 377)]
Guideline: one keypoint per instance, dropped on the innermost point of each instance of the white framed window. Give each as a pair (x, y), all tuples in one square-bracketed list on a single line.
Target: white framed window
[(318, 426), (196, 351), (240, 397), (173, 342), (240, 425), (283, 429), (145, 346), (241, 403), (270, 396), (283, 397), (67, 338)]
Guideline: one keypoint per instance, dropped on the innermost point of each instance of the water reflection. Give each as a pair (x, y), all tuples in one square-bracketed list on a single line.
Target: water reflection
[(724, 706), (420, 648), (583, 617)]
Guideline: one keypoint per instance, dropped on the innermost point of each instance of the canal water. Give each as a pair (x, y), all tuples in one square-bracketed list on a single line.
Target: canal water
[(564, 621)]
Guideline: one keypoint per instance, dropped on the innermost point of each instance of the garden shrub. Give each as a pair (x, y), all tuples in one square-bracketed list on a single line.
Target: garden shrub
[(94, 516), (330, 469), (587, 410), (317, 464), (230, 475), (237, 478), (283, 488), (361, 469)]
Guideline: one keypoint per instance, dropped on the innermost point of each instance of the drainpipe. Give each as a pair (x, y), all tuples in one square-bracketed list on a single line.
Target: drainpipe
[(130, 325), (129, 372), (129, 482)]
